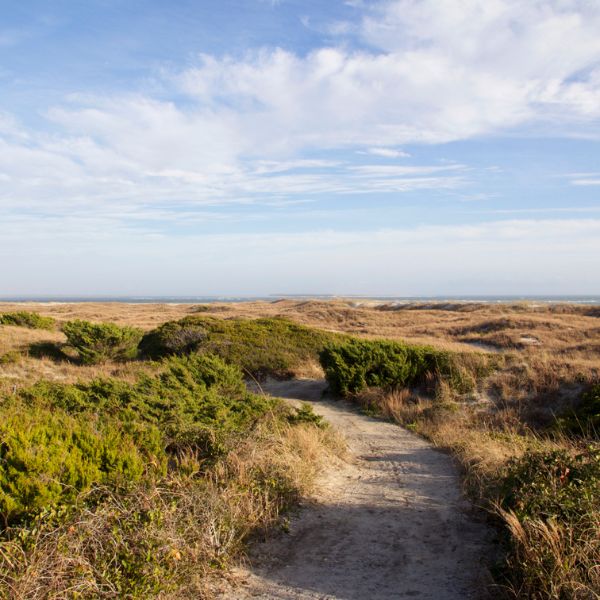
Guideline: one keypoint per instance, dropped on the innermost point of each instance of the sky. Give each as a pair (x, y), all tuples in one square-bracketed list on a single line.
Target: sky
[(253, 147)]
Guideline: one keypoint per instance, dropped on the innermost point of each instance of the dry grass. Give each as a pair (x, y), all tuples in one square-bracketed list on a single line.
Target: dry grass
[(187, 528)]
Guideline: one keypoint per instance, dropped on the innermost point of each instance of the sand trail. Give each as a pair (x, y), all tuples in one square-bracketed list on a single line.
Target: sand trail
[(388, 523)]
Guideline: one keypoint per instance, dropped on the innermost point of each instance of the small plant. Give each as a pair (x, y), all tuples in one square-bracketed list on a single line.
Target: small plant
[(24, 318), (306, 414), (99, 342)]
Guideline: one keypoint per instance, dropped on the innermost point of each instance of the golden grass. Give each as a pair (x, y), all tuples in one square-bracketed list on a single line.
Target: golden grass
[(199, 524)]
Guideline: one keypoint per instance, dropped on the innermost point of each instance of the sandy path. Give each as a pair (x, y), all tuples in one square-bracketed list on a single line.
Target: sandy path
[(390, 523)]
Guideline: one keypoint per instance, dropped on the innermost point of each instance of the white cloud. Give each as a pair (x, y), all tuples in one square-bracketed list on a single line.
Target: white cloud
[(387, 153)]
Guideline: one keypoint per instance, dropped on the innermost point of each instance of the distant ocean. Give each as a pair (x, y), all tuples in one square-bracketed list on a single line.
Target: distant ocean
[(588, 299)]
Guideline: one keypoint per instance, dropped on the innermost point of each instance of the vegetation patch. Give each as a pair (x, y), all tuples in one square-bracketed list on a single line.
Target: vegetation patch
[(24, 318), (354, 365), (551, 505), (99, 342), (260, 347), (141, 489)]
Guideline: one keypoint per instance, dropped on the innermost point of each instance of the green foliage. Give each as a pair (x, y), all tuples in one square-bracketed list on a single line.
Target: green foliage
[(48, 457), (554, 485), (194, 400), (260, 347), (306, 414), (585, 418), (24, 318), (98, 342), (356, 364)]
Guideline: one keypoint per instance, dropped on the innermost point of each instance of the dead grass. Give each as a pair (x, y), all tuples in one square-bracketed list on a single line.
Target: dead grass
[(187, 528)]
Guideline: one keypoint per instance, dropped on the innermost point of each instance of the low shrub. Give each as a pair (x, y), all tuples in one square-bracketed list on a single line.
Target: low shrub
[(48, 457), (260, 347), (354, 365), (99, 342), (194, 400), (24, 318), (551, 506)]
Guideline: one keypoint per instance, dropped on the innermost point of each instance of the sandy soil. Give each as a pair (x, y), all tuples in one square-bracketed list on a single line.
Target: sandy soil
[(389, 523)]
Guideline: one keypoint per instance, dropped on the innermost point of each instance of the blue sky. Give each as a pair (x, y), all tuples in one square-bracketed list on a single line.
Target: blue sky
[(395, 147)]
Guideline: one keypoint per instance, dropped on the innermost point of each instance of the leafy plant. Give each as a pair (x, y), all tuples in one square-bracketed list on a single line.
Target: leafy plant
[(306, 414), (98, 342), (354, 365), (48, 457), (261, 347), (24, 318)]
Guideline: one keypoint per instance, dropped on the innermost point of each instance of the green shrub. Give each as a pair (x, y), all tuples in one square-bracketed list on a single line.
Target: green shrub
[(48, 457), (195, 401), (354, 365), (98, 342), (261, 347), (174, 337), (306, 414), (553, 485), (27, 319)]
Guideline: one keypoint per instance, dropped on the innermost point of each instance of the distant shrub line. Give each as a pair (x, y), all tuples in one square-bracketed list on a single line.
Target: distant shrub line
[(31, 320)]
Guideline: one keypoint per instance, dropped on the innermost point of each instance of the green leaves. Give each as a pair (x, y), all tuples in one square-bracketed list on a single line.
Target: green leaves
[(98, 342)]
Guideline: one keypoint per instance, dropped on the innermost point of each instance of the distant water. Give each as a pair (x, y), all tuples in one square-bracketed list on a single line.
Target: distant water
[(590, 299)]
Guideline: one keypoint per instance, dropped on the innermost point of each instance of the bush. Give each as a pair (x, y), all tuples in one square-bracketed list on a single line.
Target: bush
[(553, 485), (48, 457), (551, 507), (355, 365), (174, 337), (98, 342), (261, 347), (27, 319), (195, 401)]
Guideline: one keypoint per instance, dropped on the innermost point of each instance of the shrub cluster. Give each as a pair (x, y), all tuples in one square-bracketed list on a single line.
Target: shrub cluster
[(353, 365), (98, 342), (24, 318), (260, 347), (551, 505), (59, 439)]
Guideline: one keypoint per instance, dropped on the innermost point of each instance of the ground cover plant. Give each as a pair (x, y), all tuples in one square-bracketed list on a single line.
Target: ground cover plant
[(276, 347), (23, 318), (111, 488)]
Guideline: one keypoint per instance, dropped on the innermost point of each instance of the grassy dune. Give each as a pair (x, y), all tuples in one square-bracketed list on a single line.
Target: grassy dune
[(510, 390)]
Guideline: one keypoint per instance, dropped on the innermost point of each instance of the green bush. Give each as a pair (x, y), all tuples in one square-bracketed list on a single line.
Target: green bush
[(195, 401), (354, 365), (98, 342), (261, 347), (357, 364), (553, 485), (48, 457), (27, 319)]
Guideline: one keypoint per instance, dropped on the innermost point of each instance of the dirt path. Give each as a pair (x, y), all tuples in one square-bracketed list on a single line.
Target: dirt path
[(390, 523)]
